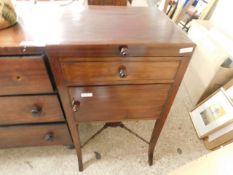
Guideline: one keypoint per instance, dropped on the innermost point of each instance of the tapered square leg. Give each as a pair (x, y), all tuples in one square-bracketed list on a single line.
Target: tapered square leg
[(154, 138), (80, 163)]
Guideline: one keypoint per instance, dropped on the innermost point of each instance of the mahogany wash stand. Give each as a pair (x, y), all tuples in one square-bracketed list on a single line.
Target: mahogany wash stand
[(69, 65)]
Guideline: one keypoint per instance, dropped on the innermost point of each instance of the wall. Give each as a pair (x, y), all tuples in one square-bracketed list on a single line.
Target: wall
[(223, 16)]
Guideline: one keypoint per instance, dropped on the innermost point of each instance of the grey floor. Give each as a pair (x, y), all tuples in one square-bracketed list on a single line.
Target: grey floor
[(120, 152)]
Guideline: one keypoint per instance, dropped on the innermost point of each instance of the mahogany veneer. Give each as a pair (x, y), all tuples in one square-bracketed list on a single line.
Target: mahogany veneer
[(30, 109), (23, 75), (110, 72), (114, 103), (29, 135)]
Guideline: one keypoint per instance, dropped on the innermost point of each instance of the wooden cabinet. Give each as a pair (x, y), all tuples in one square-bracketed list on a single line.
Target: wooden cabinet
[(113, 87), (125, 64), (109, 64)]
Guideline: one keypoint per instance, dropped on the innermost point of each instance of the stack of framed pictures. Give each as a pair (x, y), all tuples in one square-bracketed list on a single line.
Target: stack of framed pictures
[(213, 118)]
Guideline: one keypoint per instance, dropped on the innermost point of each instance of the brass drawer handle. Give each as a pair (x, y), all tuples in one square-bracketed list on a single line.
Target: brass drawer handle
[(122, 72), (75, 105), (36, 110), (124, 51), (49, 136)]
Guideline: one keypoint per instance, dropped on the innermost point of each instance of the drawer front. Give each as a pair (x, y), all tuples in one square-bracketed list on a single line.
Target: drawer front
[(97, 73), (23, 75), (30, 109), (36, 135), (115, 50), (112, 103)]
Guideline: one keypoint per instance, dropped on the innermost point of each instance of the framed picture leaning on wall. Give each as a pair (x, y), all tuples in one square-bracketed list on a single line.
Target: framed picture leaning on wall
[(212, 114)]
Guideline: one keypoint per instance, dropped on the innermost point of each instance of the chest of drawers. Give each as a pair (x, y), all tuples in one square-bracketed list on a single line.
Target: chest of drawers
[(30, 114), (106, 64)]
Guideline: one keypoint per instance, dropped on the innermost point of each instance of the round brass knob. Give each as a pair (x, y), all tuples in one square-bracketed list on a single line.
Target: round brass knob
[(75, 105), (36, 110), (49, 136), (122, 72), (124, 51)]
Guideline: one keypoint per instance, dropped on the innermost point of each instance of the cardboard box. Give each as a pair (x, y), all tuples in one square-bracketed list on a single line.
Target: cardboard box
[(222, 76)]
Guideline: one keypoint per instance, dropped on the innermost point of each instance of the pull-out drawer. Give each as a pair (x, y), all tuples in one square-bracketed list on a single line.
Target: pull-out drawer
[(113, 103), (30, 109), (23, 75), (100, 73), (15, 136)]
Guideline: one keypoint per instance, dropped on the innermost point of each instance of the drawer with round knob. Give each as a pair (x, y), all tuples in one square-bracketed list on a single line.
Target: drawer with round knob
[(30, 109), (123, 50), (34, 135), (119, 72)]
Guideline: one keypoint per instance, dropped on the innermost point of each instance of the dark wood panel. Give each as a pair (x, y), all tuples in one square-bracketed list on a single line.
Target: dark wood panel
[(108, 2), (111, 103), (30, 109), (37, 135), (23, 75), (86, 73)]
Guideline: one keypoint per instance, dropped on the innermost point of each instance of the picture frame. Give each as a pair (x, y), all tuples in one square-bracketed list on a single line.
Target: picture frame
[(228, 87), (219, 138), (213, 114)]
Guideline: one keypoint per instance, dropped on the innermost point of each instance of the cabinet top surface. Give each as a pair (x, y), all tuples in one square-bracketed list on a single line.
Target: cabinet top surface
[(43, 24)]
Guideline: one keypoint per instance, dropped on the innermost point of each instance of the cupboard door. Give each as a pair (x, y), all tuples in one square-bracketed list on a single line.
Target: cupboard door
[(113, 103)]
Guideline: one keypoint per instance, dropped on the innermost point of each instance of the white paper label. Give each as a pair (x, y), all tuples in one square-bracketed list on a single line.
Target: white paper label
[(186, 50), (86, 94)]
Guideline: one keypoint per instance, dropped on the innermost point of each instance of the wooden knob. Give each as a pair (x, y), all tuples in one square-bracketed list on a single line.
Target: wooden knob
[(122, 72), (36, 110), (75, 105), (49, 136), (124, 51)]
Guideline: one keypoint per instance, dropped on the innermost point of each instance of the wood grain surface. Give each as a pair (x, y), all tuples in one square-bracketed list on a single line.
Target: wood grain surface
[(114, 103), (23, 75), (37, 135), (93, 73), (98, 25), (30, 109)]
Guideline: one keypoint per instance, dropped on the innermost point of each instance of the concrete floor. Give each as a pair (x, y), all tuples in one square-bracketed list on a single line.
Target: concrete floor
[(121, 153)]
